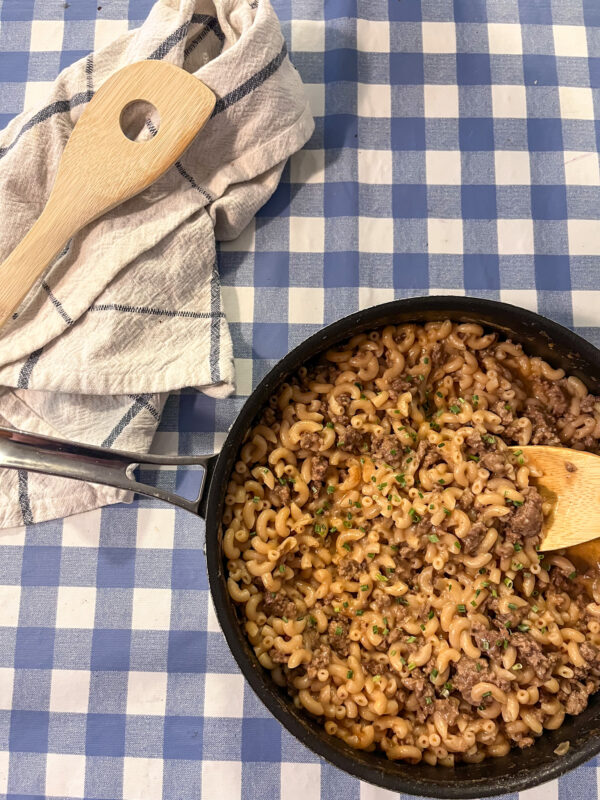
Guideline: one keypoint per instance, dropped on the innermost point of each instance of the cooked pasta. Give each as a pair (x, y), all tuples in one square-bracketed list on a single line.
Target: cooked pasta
[(381, 533)]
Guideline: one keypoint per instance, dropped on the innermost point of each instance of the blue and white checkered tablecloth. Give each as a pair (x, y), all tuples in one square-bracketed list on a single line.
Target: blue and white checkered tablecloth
[(455, 151)]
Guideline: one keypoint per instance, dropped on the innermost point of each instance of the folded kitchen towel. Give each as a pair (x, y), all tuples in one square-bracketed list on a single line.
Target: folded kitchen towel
[(132, 309)]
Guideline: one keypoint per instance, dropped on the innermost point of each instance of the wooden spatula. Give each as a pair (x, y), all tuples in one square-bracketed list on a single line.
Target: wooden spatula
[(101, 168), (571, 481)]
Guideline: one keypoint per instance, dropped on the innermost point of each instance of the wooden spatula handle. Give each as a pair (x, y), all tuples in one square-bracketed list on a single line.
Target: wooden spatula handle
[(101, 168)]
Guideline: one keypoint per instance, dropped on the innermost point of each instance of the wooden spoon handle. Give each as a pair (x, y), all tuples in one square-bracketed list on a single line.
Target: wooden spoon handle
[(101, 168)]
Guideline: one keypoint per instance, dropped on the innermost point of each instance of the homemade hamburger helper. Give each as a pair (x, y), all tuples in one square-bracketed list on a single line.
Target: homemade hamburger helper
[(381, 544)]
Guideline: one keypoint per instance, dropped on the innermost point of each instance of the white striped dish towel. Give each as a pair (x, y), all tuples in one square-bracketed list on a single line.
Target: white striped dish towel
[(132, 309)]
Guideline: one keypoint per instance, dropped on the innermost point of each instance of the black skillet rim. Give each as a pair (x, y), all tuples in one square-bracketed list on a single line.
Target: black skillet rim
[(419, 779)]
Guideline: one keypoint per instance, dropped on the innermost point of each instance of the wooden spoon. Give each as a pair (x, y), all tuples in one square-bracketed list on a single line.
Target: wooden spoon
[(101, 168), (571, 481)]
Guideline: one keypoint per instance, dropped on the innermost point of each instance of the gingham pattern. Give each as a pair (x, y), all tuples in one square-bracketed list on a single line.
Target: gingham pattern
[(456, 151)]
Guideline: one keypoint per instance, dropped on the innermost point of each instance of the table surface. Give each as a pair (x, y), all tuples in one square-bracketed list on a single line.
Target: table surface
[(455, 151)]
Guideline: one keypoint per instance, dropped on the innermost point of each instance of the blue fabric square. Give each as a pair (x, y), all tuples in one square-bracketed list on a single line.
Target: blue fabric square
[(29, 731), (187, 651), (594, 66), (83, 9), (270, 339), (196, 412), (340, 269), (41, 566), (333, 9), (482, 272), (34, 648), (476, 133), (591, 13), (116, 567), (278, 204), (473, 68), (68, 57), (110, 649), (105, 735), (548, 202), (409, 201), (544, 134), (406, 68), (13, 66), (552, 273), (340, 65), (536, 12), (540, 70), (183, 738), (340, 130), (261, 740), (17, 10), (408, 133), (478, 202), (411, 271), (468, 11), (189, 569), (405, 11), (271, 269), (340, 199)]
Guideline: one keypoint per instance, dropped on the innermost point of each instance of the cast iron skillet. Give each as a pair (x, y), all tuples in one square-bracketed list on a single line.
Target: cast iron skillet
[(514, 772)]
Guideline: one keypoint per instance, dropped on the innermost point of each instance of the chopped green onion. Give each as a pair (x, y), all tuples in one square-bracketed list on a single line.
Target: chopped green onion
[(350, 674)]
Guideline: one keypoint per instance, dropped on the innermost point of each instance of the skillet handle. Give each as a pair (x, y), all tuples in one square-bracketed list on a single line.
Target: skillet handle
[(82, 462)]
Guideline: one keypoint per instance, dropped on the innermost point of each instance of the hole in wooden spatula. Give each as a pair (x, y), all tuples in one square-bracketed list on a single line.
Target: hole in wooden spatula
[(140, 120)]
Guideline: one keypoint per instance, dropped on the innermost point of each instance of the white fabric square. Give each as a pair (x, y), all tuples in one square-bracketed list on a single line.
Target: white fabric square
[(440, 100), (147, 693), (373, 36), (375, 235), (46, 35), (368, 792), (443, 167), (549, 791), (445, 235), (75, 606), (82, 530), (374, 166), (374, 100), (370, 296), (224, 695), (581, 168), (515, 237), (142, 778), (439, 37), (584, 235), (222, 779), (441, 291), (243, 376), (524, 298), (151, 609), (36, 93), (308, 166), (307, 234), (4, 757), (212, 623), (305, 305), (107, 30), (576, 102), (65, 775), (570, 41), (585, 308), (10, 599), (512, 167), (238, 303), (7, 677), (316, 98), (14, 537), (509, 101), (243, 243), (156, 528), (300, 781), (70, 691), (308, 35), (505, 38)]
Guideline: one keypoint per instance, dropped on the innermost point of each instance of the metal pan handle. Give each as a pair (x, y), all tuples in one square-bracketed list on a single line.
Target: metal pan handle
[(82, 462)]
